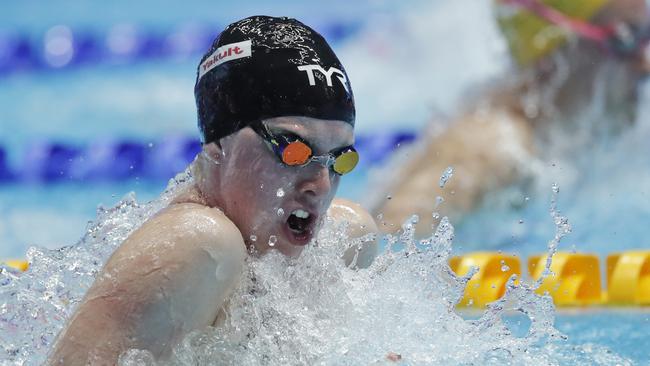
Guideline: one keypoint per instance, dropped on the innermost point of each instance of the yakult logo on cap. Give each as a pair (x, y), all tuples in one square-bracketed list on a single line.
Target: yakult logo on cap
[(225, 53), (309, 69)]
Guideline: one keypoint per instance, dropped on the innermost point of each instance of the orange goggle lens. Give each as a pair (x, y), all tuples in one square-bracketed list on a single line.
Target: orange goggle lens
[(296, 153)]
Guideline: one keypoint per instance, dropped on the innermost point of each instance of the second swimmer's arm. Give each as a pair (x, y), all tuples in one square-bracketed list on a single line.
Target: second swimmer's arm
[(169, 277), (486, 152)]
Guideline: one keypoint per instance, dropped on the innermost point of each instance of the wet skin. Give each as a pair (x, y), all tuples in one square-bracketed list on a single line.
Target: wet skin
[(246, 181)]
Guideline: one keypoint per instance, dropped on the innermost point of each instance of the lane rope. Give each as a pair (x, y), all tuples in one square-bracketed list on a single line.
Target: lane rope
[(65, 47), (48, 162)]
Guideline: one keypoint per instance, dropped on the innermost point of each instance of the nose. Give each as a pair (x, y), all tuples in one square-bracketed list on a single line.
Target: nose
[(317, 181)]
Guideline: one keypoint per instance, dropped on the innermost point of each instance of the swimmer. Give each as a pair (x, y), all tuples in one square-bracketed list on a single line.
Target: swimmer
[(569, 55), (276, 114)]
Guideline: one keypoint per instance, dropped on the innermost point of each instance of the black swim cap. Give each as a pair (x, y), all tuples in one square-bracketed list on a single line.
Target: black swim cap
[(264, 67)]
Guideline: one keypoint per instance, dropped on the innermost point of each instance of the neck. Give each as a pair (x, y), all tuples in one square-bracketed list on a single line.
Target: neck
[(193, 193), (207, 180)]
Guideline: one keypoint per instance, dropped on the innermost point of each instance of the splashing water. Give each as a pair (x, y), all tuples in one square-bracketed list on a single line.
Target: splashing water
[(309, 310), (35, 304), (446, 175)]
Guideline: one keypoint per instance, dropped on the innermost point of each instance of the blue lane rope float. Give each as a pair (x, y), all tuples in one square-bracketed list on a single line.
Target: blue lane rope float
[(5, 173), (47, 162), (63, 47)]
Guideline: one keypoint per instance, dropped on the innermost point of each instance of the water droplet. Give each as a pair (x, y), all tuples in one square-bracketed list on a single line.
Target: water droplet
[(521, 221), (272, 240), (389, 197), (150, 144), (280, 212), (436, 216), (446, 175), (526, 198), (439, 200), (505, 268), (253, 238), (380, 216), (280, 192)]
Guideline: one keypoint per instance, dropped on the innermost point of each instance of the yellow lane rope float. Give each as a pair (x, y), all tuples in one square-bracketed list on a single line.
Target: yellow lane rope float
[(576, 278), (628, 278), (489, 283), (18, 264)]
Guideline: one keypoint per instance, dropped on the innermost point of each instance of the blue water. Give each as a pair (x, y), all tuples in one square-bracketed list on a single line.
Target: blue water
[(623, 331)]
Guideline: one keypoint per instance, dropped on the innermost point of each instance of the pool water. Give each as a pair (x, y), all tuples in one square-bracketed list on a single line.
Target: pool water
[(623, 331), (405, 300)]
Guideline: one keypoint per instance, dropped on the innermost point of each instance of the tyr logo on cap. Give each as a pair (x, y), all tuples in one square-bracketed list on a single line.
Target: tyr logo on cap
[(223, 54), (309, 69)]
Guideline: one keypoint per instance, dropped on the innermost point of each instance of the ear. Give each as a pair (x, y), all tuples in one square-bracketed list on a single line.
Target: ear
[(213, 150)]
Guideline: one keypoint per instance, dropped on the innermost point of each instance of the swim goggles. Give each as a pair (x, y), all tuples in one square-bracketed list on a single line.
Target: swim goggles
[(292, 150)]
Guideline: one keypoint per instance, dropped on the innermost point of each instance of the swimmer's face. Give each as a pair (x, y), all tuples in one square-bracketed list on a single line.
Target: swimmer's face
[(276, 206)]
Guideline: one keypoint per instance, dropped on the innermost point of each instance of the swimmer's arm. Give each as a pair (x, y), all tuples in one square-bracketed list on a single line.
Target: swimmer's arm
[(169, 277), (360, 224), (486, 152)]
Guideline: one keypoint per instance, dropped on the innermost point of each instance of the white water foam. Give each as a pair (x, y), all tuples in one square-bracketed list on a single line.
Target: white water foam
[(310, 310)]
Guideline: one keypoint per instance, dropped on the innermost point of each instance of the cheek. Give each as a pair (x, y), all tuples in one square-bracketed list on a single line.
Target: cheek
[(261, 184), (335, 186)]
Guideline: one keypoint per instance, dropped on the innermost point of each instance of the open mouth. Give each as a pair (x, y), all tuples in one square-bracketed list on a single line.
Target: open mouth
[(300, 226)]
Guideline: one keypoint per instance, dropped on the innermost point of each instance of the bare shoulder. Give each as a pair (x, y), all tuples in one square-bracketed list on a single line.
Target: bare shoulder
[(182, 242), (196, 225), (360, 223), (169, 277), (179, 234)]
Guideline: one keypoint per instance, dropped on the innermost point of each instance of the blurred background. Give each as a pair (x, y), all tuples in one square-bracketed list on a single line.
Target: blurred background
[(96, 100)]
